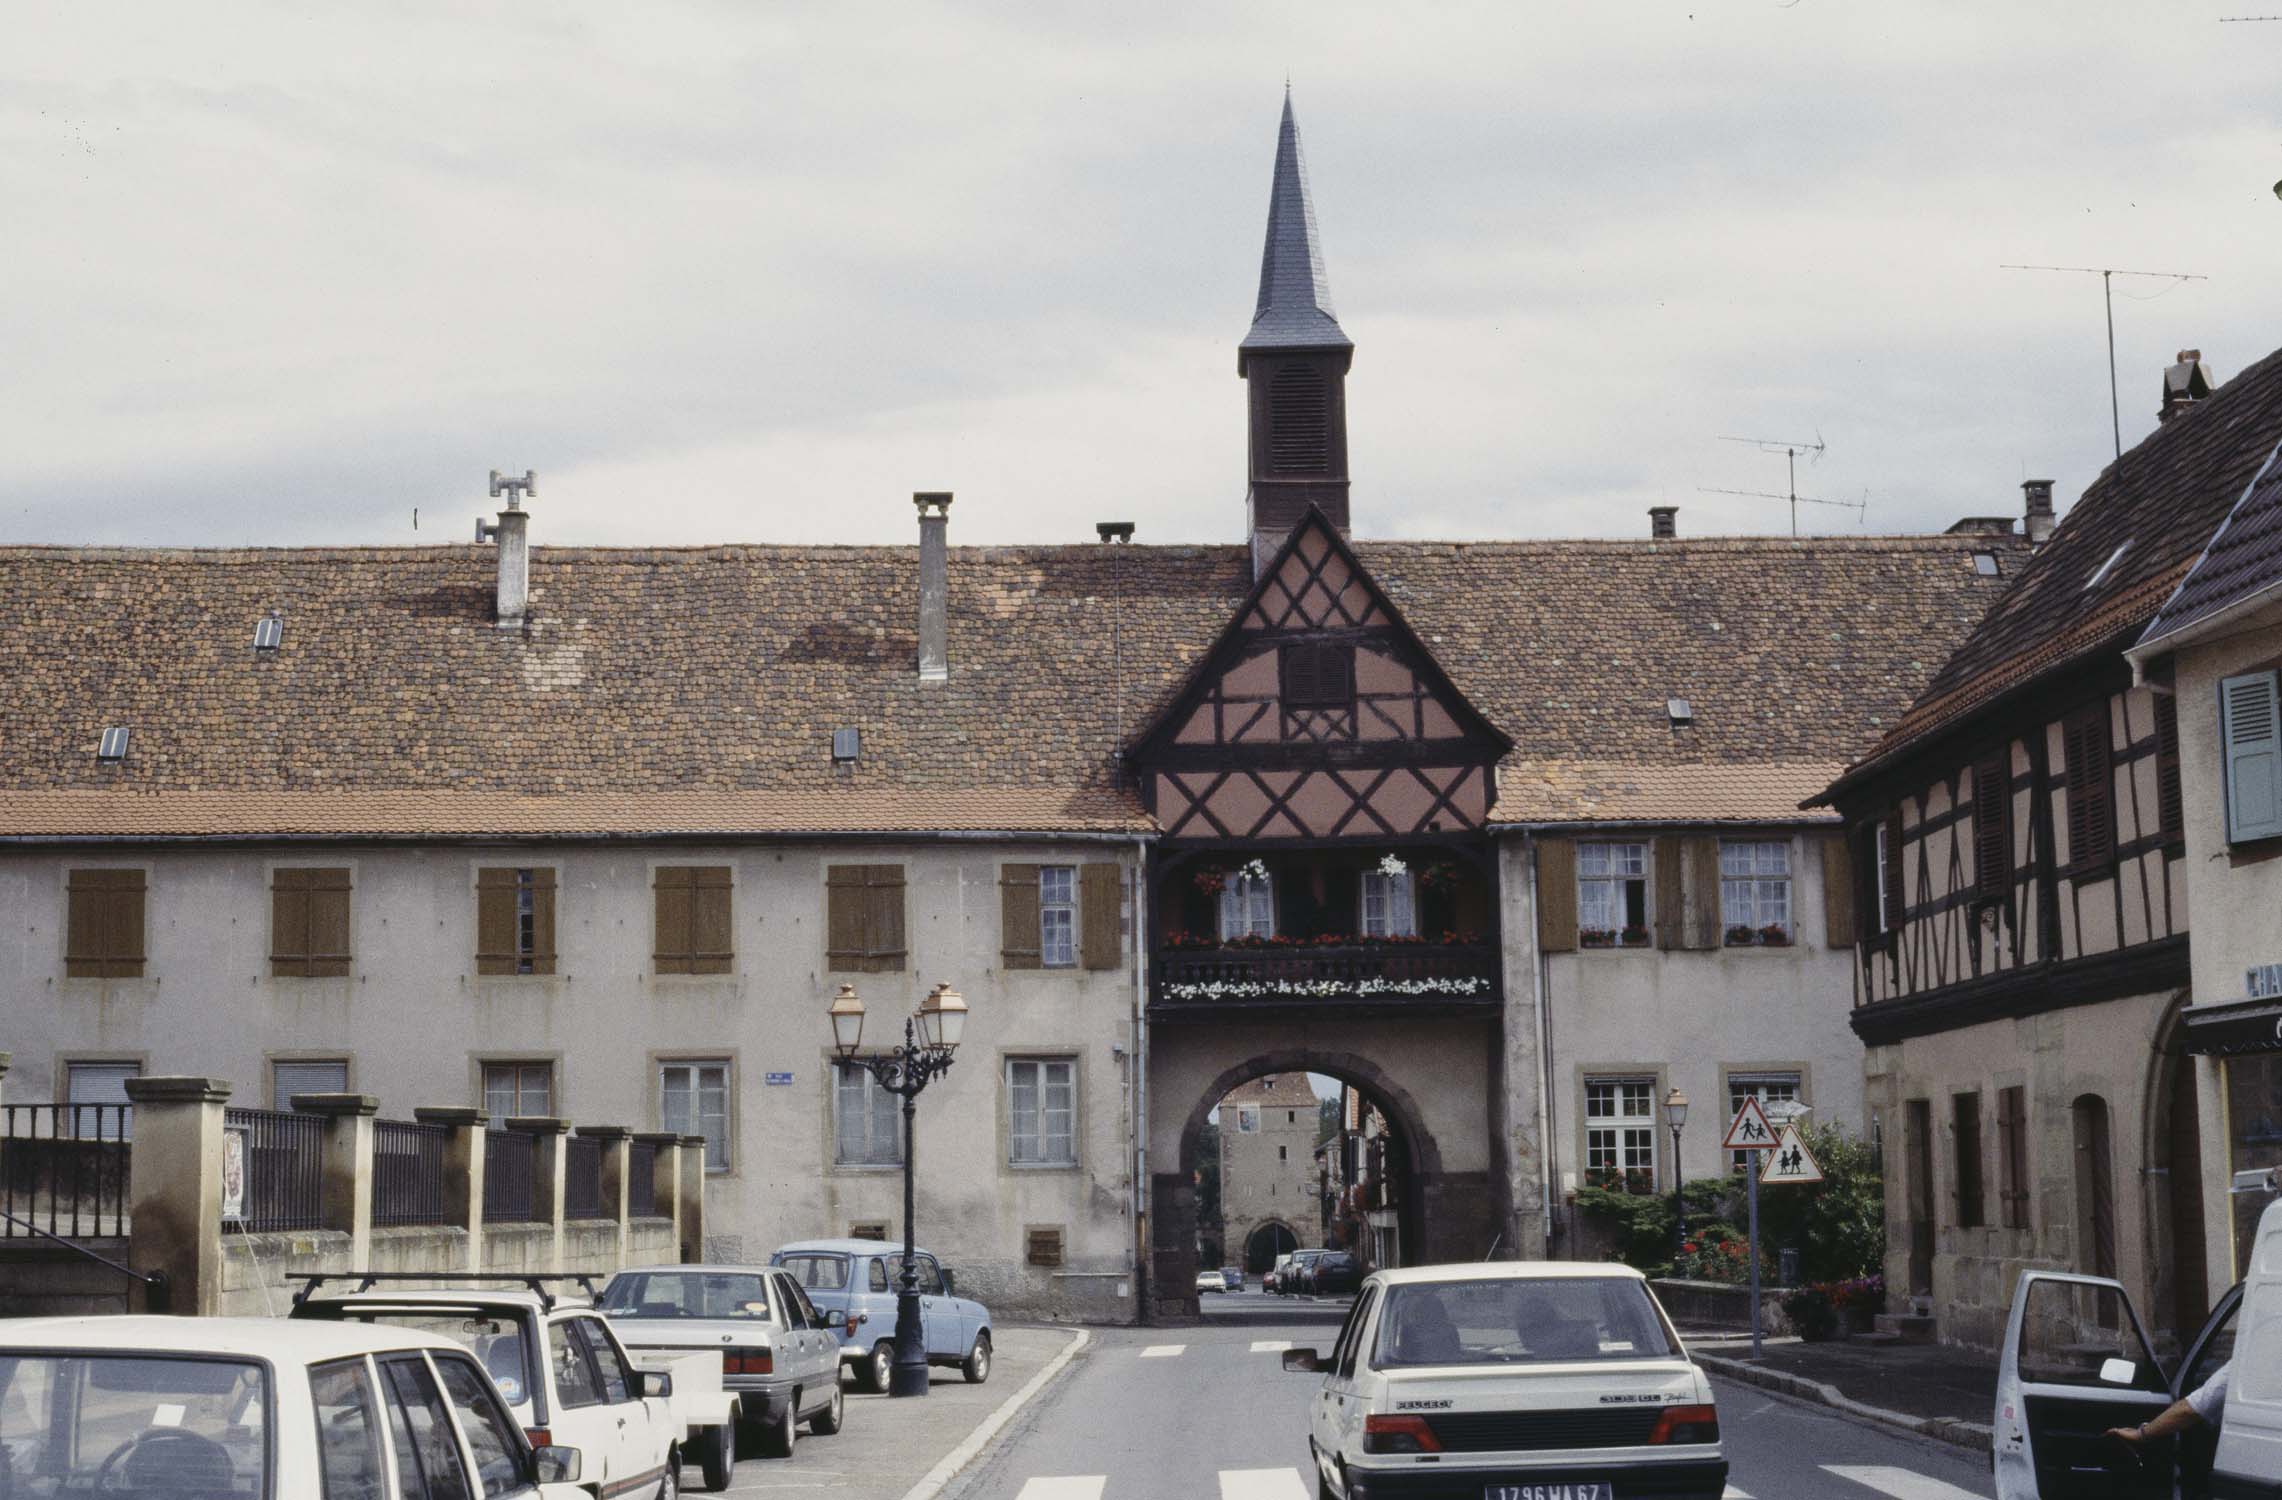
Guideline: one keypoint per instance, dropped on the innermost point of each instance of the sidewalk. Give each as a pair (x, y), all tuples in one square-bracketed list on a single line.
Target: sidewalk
[(1924, 1388)]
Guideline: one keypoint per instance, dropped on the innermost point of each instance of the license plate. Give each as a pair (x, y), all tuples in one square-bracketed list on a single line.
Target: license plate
[(1596, 1490)]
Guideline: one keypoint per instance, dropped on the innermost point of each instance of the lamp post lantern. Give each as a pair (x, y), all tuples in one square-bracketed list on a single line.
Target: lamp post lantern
[(1676, 1114), (930, 1036)]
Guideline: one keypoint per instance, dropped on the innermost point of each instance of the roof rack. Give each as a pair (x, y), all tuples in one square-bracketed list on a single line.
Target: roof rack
[(534, 1281)]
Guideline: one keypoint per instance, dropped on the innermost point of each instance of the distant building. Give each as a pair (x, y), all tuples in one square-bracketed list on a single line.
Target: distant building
[(1268, 1194)]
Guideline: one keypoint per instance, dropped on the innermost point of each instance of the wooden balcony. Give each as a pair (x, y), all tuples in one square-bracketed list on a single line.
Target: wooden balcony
[(1410, 978)]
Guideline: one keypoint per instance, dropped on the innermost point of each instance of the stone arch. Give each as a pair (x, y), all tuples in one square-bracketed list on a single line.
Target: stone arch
[(1347, 1067), (1258, 1257), (2172, 1211)]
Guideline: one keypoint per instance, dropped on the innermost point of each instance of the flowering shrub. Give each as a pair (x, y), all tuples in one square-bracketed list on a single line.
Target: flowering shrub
[(1818, 1309), (1321, 989), (1740, 936), (1716, 1252), (1439, 875)]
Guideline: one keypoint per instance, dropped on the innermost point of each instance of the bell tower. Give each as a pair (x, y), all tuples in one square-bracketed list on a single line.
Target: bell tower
[(1294, 362)]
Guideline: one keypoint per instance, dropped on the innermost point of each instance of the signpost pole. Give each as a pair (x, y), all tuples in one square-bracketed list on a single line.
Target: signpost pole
[(1751, 1173)]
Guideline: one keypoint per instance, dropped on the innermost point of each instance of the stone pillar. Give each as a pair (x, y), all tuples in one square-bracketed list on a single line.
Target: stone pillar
[(175, 1190), (346, 1197), (692, 1195), (614, 1140), (463, 1171), (548, 1136), (665, 1182)]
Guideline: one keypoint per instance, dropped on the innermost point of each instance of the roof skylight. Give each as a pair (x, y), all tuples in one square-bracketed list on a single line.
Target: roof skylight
[(1680, 711), (114, 743), (269, 631), (2117, 556), (847, 744), (1985, 564)]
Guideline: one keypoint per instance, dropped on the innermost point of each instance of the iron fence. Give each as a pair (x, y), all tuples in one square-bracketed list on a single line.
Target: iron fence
[(641, 1179), (582, 1178), (510, 1173), (407, 1173), (280, 1158), (64, 1167)]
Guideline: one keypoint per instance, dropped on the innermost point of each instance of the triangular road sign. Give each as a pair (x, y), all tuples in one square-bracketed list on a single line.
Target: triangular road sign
[(1749, 1131), (1790, 1161)]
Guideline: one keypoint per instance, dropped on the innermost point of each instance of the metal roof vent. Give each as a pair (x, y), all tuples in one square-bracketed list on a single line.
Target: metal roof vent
[(269, 632), (114, 743), (2101, 575), (1985, 564), (847, 744), (1680, 711)]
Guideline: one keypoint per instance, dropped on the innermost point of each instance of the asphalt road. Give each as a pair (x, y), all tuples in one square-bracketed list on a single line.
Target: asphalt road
[(1145, 1414)]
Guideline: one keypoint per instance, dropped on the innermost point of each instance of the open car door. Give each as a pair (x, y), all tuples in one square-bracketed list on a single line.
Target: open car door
[(2076, 1362), (2249, 1459)]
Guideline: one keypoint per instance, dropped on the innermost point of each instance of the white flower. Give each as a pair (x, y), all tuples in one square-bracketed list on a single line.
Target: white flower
[(1321, 989), (1253, 870), (1390, 865)]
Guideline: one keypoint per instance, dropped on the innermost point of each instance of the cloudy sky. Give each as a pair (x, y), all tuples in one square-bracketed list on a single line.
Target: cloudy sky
[(755, 272)]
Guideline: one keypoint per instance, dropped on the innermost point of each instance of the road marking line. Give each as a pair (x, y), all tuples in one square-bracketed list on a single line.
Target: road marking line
[(1261, 1484), (1270, 1346), (1065, 1487), (947, 1468), (1902, 1484), (1732, 1493), (1162, 1351)]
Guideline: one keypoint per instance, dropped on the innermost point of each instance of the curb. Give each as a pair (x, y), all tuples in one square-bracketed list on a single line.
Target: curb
[(1955, 1431), (947, 1468)]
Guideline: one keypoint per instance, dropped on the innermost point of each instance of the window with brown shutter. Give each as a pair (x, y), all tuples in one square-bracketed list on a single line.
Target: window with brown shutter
[(692, 924), (103, 930), (1042, 1245), (1556, 895), (864, 919), (1018, 946), (2012, 1158), (2091, 791), (309, 923), (1317, 674), (1838, 903), (1965, 1119), (1891, 907), (1101, 915), (2170, 808), (515, 920), (1992, 827)]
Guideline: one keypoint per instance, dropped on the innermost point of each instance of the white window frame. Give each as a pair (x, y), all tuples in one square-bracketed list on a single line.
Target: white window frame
[(1038, 1133), (1884, 832), (1058, 916), (713, 1124), (1390, 904), (1247, 907), (1606, 873), (878, 1104), (1247, 1119), (1621, 1126), (1755, 888), (1768, 1086), (520, 1088)]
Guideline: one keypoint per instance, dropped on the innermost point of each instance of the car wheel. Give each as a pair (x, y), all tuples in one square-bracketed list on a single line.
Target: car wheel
[(776, 1438), (876, 1370), (827, 1421), (976, 1367), (669, 1488), (717, 1456)]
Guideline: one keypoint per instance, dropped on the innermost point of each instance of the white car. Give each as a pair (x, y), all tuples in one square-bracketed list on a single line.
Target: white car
[(224, 1408), (566, 1376), (1511, 1382), (1210, 1281), (2077, 1364)]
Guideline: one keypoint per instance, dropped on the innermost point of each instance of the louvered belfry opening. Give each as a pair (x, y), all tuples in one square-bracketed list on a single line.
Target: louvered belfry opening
[(1299, 439)]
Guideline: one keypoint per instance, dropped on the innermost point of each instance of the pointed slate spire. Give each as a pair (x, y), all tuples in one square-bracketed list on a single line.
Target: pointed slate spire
[(1294, 310)]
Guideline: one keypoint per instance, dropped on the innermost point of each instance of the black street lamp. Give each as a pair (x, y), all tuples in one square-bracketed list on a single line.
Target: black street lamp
[(929, 1039), (1676, 1114)]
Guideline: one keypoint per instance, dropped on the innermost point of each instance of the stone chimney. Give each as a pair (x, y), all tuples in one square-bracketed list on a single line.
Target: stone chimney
[(2039, 521), (512, 532), (934, 584), (2184, 384), (1663, 522)]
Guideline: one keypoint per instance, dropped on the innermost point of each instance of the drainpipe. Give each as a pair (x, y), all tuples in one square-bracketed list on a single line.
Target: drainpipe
[(1140, 1076), (1542, 974)]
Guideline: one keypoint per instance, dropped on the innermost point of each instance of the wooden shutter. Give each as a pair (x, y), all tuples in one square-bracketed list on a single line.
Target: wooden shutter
[(1965, 1115), (495, 949), (103, 937), (2250, 733), (674, 889), (1557, 895), (2012, 1158), (1895, 907), (712, 930), (289, 923), (2170, 805), (1838, 878), (309, 923), (880, 918), (844, 935), (1708, 929), (1668, 911), (1018, 939), (1993, 826), (542, 953), (1101, 915), (1043, 1247), (2091, 793)]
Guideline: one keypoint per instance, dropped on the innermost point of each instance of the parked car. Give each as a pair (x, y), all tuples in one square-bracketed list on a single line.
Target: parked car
[(1336, 1273), (855, 1281), (1210, 1281), (1273, 1280), (248, 1408), (2077, 1363), (780, 1355), (1519, 1379), (1232, 1277), (1294, 1281), (564, 1375)]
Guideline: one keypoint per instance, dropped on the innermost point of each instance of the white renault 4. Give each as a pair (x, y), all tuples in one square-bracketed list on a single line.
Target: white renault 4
[(1545, 1380)]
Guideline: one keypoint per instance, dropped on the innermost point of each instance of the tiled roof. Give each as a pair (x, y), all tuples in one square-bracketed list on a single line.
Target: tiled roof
[(2159, 504), (1294, 310), (2243, 560), (696, 690), (1600, 791)]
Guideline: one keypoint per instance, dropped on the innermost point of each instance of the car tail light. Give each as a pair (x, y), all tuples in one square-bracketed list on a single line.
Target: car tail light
[(1686, 1424), (748, 1362), (1399, 1435), (540, 1437)]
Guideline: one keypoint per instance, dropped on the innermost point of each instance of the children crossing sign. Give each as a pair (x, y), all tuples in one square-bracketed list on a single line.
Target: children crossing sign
[(1790, 1161), (1750, 1131)]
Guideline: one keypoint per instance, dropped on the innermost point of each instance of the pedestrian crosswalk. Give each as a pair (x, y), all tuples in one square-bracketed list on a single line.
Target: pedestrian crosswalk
[(1290, 1484)]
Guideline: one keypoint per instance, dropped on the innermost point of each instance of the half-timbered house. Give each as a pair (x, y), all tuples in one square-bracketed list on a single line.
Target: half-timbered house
[(2023, 960)]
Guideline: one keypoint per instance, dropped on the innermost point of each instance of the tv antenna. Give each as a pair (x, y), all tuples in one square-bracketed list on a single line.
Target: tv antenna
[(1790, 449), (2107, 275)]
